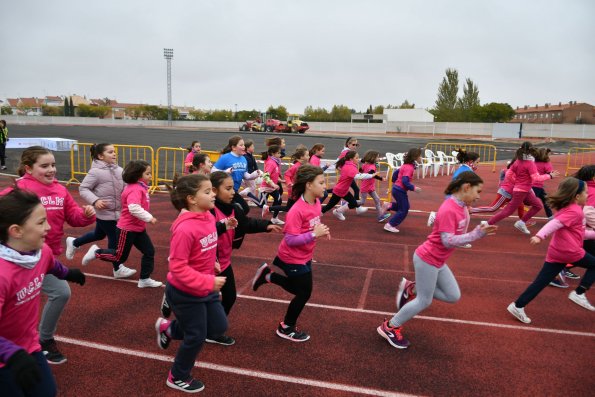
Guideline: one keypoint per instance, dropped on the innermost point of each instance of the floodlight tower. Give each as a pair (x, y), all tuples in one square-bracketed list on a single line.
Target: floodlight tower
[(168, 54)]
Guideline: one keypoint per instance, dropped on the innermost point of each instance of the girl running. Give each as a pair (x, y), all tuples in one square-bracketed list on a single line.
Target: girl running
[(250, 190), (348, 164), (294, 257), (544, 166), (568, 232), (232, 159), (132, 225), (201, 164), (193, 150), (525, 174), (300, 157), (102, 188), (368, 186), (38, 175), (24, 262), (400, 188), (192, 287), (271, 183), (351, 144), (433, 277), (231, 235)]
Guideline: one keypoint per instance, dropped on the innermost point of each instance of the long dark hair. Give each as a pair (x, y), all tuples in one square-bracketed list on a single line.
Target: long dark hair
[(270, 151), (97, 149), (183, 187), (463, 156), (411, 155), (15, 208), (134, 170), (350, 155), (586, 173), (526, 149), (567, 191), (543, 155), (197, 160), (316, 148), (233, 141), (464, 177), (306, 173), (218, 177)]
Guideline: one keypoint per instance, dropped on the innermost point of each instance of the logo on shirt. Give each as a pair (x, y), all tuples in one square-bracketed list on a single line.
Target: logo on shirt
[(30, 291), (208, 241), (52, 202), (314, 222)]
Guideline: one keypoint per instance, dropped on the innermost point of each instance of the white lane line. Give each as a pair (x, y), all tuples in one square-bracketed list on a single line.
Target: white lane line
[(236, 371), (381, 313)]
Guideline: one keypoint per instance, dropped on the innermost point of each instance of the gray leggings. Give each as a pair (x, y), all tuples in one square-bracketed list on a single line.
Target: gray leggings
[(374, 195), (58, 293), (430, 282)]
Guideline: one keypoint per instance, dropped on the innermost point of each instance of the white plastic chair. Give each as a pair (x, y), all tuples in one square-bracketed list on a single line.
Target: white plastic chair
[(391, 160), (428, 162), (446, 160)]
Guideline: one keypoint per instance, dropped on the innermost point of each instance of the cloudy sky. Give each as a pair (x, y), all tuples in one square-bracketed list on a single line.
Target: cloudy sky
[(298, 53)]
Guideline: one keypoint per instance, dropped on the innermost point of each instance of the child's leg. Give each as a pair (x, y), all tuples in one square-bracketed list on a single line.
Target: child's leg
[(426, 277), (45, 387), (363, 197), (96, 235), (402, 207), (277, 201), (355, 188), (120, 254), (496, 204), (541, 195), (548, 272), (58, 293), (143, 243), (534, 202), (517, 199), (2, 154), (228, 291), (334, 200), (298, 284), (588, 262), (447, 288), (377, 202)]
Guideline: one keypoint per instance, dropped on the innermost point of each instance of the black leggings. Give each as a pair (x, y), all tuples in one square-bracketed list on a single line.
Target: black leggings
[(334, 200), (542, 195), (300, 286), (228, 291)]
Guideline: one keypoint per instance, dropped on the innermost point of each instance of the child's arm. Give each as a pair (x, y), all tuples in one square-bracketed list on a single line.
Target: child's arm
[(139, 212), (75, 215), (589, 212), (194, 280), (395, 175), (549, 228), (407, 183), (364, 176), (69, 274), (301, 239), (451, 240)]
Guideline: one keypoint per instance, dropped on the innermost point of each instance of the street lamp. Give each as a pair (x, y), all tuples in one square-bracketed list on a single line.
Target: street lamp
[(168, 54), (235, 116)]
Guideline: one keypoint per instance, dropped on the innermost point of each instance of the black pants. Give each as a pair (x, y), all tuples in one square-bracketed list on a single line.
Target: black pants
[(46, 387), (102, 228), (298, 281), (228, 291), (195, 319), (277, 201), (549, 271), (3, 154), (355, 189), (334, 200), (126, 240), (540, 192), (282, 208)]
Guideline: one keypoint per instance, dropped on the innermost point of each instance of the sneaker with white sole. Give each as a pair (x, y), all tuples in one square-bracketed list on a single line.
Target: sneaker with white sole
[(90, 255), (265, 210), (393, 335), (581, 300), (361, 210), (520, 225), (466, 246), (163, 339), (383, 217), (431, 218), (390, 228), (70, 248), (405, 293), (519, 313), (291, 333), (570, 275), (221, 340), (123, 272), (277, 221), (189, 385), (149, 283), (338, 215), (260, 276)]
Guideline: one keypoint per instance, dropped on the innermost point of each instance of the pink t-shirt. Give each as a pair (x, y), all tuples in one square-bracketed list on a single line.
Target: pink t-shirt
[(567, 243), (451, 218), (273, 169), (290, 177), (343, 153), (508, 183), (134, 193), (188, 159), (405, 170), (348, 172), (368, 185), (315, 160), (523, 170), (225, 240), (543, 168), (301, 218), (591, 193), (20, 299)]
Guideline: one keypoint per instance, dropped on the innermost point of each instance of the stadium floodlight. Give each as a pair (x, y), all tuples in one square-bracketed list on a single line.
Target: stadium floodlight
[(168, 54)]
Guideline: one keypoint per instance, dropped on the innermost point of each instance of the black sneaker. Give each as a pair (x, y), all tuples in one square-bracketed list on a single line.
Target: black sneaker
[(292, 334), (51, 352), (260, 277), (189, 385), (571, 275), (221, 340), (165, 308)]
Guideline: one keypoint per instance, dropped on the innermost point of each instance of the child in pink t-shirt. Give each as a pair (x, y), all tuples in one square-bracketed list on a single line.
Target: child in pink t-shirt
[(544, 166), (193, 150), (295, 253), (433, 277), (201, 164), (132, 225), (25, 261), (368, 186), (299, 157), (568, 232), (271, 181)]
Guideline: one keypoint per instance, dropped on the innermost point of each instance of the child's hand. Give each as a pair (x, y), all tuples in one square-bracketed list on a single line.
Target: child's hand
[(321, 230), (228, 171), (383, 179), (417, 189), (219, 282), (535, 240), (231, 223), (217, 267), (554, 174), (488, 229), (153, 221), (89, 211), (274, 228), (100, 204)]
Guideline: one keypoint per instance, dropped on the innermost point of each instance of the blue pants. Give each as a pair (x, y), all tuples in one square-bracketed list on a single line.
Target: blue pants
[(45, 388), (401, 206), (195, 319)]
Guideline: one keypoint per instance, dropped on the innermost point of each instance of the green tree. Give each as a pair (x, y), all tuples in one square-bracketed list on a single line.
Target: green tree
[(71, 108), (316, 114), (407, 105), (6, 110), (66, 110), (340, 113), (93, 111), (468, 104), (494, 113), (52, 110), (445, 109), (378, 109), (198, 114), (279, 113)]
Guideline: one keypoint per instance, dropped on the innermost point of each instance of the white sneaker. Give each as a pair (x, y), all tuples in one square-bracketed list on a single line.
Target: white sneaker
[(519, 313), (90, 255), (431, 218), (123, 272), (338, 215), (265, 210), (70, 248), (466, 246), (389, 228), (520, 225), (581, 300), (277, 221), (148, 283), (361, 210)]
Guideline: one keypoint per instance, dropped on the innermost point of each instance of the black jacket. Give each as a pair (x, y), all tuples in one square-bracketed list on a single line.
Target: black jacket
[(252, 165), (245, 223)]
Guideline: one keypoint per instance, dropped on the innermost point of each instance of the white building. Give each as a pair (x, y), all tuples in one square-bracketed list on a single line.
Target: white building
[(420, 115)]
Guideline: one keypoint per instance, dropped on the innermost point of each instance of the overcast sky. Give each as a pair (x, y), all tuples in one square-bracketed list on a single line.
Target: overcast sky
[(298, 53)]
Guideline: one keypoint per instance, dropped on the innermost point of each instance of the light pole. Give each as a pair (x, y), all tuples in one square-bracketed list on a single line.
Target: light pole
[(168, 54), (235, 116)]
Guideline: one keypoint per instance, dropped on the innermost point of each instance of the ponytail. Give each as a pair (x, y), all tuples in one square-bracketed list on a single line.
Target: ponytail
[(464, 177)]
